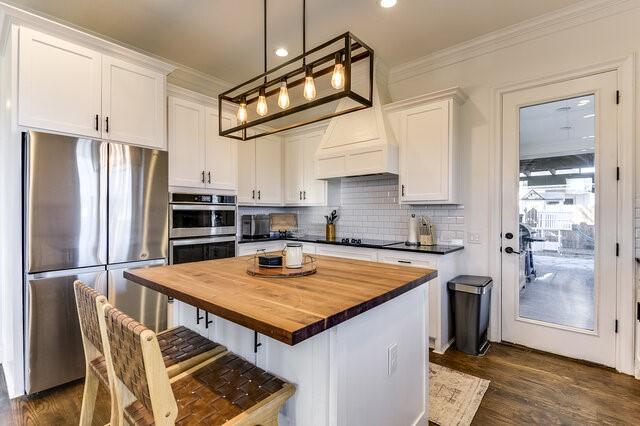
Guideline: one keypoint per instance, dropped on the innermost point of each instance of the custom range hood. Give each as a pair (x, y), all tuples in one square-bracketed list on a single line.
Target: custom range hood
[(360, 143)]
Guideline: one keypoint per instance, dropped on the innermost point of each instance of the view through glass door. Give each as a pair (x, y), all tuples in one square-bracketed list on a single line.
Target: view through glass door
[(559, 217)]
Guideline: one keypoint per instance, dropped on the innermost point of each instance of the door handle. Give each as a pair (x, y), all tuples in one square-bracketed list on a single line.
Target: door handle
[(510, 250), (97, 122), (259, 194), (403, 190), (209, 174), (508, 235), (107, 126), (198, 317), (301, 195), (203, 176), (304, 195), (207, 321), (253, 194)]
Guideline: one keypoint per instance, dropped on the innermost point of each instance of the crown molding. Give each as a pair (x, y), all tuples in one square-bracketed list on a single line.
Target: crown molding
[(452, 93), (198, 81), (562, 19)]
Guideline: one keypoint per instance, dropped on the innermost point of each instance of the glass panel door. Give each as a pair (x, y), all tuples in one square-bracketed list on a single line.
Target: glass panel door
[(556, 212)]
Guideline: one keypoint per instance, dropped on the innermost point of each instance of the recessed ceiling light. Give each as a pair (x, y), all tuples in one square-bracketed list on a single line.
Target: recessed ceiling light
[(281, 51), (387, 3)]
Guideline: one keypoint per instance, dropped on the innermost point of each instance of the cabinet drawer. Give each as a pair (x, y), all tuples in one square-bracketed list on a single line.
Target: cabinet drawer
[(358, 253), (252, 248), (418, 260)]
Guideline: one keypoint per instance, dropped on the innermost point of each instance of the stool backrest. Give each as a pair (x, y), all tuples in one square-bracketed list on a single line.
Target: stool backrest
[(86, 301), (137, 362)]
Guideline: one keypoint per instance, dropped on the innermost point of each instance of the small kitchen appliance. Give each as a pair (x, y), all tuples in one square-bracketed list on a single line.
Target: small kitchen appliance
[(255, 225)]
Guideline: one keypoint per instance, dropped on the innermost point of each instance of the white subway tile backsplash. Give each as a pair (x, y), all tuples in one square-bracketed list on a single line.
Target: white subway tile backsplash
[(369, 209)]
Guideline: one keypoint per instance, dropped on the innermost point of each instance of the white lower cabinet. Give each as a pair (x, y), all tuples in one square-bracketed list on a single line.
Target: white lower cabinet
[(358, 253), (191, 317)]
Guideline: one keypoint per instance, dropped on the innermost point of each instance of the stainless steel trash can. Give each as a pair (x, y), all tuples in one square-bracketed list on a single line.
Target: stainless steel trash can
[(471, 300)]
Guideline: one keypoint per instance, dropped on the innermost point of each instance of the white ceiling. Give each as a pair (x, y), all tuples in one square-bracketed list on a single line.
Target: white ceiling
[(551, 129), (223, 38)]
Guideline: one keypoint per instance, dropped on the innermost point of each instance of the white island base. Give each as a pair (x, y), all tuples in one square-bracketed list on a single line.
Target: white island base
[(369, 370)]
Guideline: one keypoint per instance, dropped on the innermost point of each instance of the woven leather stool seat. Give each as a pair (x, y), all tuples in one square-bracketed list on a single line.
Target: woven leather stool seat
[(183, 348), (215, 393)]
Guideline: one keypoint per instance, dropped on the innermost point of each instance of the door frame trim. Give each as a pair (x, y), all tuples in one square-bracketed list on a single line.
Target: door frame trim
[(625, 67)]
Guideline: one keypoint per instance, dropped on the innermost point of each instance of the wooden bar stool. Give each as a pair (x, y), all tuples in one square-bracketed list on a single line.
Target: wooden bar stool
[(223, 390), (181, 349)]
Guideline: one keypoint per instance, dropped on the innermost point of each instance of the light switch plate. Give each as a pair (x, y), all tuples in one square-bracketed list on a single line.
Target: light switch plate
[(473, 237)]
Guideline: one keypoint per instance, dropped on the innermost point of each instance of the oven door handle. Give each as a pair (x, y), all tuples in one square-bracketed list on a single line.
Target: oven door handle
[(183, 207), (191, 241)]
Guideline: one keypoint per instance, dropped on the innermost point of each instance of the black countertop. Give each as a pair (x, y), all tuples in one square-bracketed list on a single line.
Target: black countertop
[(367, 243)]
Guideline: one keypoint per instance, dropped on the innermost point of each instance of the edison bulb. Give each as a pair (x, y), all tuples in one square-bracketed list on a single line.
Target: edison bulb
[(283, 96), (337, 78), (262, 108), (242, 112), (309, 91)]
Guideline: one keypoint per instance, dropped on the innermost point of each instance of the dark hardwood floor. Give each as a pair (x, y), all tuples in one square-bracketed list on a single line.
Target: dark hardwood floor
[(527, 387), (531, 387)]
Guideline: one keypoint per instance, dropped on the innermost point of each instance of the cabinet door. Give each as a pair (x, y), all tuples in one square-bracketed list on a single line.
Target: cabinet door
[(246, 172), (221, 153), (58, 85), (314, 190), (293, 171), (268, 159), (424, 153), (186, 143), (133, 104)]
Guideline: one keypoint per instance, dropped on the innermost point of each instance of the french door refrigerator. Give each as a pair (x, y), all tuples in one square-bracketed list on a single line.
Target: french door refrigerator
[(92, 209)]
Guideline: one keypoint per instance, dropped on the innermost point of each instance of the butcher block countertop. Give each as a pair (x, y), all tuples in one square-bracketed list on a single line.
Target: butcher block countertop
[(286, 309)]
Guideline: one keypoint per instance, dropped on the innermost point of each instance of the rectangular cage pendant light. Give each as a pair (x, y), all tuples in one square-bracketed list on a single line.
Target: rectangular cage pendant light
[(332, 79)]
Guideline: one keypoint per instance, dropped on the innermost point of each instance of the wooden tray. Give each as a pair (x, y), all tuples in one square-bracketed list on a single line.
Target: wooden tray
[(309, 266)]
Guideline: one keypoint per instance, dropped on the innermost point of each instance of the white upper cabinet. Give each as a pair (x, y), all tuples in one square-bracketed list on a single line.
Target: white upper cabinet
[(302, 188), (186, 143), (221, 152), (260, 171), (133, 100), (67, 88), (59, 85), (198, 156), (427, 131), (247, 172)]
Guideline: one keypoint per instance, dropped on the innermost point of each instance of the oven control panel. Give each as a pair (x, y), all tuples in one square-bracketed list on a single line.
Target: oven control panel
[(177, 197)]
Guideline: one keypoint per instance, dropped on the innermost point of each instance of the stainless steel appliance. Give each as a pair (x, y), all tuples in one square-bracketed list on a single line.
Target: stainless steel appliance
[(91, 209), (201, 227), (199, 215), (255, 225)]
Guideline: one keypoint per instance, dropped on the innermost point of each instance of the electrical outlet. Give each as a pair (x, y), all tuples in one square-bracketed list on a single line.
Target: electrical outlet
[(392, 358), (473, 237)]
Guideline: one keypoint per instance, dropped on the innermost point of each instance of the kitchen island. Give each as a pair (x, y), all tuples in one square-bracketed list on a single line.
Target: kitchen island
[(350, 337)]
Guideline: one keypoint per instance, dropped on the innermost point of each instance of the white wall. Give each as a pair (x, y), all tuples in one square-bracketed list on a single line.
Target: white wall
[(592, 41)]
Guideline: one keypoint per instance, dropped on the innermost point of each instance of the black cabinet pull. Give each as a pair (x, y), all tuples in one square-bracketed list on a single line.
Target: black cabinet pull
[(403, 190), (97, 122), (207, 321), (405, 261), (107, 126), (209, 173), (301, 195), (203, 176), (259, 194), (198, 317), (253, 194)]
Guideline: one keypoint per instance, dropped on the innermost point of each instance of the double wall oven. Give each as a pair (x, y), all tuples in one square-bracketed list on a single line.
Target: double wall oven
[(201, 227)]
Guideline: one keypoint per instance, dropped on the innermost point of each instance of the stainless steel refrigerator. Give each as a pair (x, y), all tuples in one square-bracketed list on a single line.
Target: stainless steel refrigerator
[(92, 209)]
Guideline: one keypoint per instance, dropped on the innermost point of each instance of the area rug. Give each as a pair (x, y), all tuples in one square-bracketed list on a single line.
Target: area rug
[(454, 397)]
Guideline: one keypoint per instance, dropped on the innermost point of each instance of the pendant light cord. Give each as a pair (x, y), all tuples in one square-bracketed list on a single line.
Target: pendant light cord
[(304, 32), (265, 40)]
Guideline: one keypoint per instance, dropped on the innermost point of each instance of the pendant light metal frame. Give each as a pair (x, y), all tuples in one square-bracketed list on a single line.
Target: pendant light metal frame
[(353, 50)]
